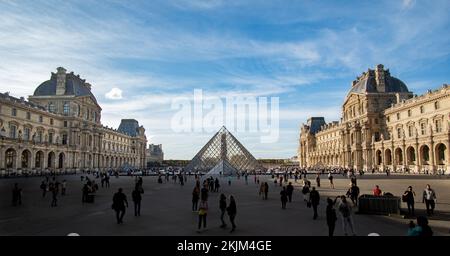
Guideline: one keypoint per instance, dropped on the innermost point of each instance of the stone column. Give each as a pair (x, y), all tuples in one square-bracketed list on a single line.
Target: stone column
[(32, 165), (433, 158), (2, 158)]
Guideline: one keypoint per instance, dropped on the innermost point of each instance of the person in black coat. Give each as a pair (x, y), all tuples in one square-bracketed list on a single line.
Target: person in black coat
[(232, 211), (266, 190), (408, 198), (16, 195), (137, 198), (223, 208), (284, 198), (289, 191), (314, 199), (119, 203), (331, 216)]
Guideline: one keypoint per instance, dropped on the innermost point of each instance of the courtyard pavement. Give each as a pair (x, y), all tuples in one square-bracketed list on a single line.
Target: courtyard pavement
[(166, 208)]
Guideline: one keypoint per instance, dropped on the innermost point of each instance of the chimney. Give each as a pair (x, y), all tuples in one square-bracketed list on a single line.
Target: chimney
[(60, 81), (380, 78)]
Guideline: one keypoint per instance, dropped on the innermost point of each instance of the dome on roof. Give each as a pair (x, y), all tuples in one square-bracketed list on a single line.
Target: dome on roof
[(378, 80), (74, 85)]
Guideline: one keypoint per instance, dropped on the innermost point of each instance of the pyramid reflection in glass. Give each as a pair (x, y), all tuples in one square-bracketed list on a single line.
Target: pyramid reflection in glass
[(223, 153)]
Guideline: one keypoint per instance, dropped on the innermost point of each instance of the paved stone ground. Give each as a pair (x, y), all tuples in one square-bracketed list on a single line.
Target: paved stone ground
[(166, 209)]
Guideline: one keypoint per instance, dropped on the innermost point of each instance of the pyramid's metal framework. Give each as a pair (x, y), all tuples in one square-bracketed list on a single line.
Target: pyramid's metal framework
[(223, 146)]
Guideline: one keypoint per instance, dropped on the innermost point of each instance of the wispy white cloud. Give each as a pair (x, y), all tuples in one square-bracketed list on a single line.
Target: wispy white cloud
[(114, 94)]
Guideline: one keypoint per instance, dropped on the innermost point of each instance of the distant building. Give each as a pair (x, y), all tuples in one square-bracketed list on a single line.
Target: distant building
[(154, 153), (59, 128), (383, 125)]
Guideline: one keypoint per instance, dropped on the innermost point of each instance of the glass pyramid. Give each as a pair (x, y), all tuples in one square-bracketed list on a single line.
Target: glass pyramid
[(223, 146)]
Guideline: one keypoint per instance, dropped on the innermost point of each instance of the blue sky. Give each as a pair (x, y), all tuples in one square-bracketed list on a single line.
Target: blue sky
[(304, 52)]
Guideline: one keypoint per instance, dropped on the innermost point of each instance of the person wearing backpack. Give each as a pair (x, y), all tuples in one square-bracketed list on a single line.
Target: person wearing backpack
[(331, 217), (346, 213)]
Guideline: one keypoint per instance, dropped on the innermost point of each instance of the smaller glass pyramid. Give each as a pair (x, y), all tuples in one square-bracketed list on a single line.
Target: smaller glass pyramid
[(223, 147)]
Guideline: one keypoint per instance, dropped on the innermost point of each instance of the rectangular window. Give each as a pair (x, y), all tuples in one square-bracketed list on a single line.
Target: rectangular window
[(409, 112), (12, 131), (26, 133), (66, 108), (50, 137), (377, 136), (438, 126), (64, 139), (41, 119), (423, 128), (399, 133), (422, 109), (14, 112), (51, 121), (65, 123), (39, 136), (410, 131), (398, 116), (28, 115)]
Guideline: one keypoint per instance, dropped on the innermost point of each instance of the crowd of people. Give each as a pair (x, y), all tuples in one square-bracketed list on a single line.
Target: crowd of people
[(341, 206)]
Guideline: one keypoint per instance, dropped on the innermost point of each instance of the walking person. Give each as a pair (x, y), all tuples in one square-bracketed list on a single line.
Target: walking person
[(314, 199), (289, 191), (16, 195), (63, 187), (137, 198), (429, 197), (204, 193), (283, 198), (318, 180), (261, 190), (85, 193), (408, 198), (107, 180), (345, 210), (43, 188), (353, 193), (331, 216), (202, 213), (119, 204), (223, 208), (195, 198), (330, 178), (53, 189), (266, 190), (305, 192), (232, 211), (216, 185)]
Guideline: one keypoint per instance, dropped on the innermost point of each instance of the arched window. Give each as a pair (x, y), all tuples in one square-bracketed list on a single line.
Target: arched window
[(51, 107)]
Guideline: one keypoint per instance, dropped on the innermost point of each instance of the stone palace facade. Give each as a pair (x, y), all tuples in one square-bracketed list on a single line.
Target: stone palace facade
[(59, 128), (383, 125)]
